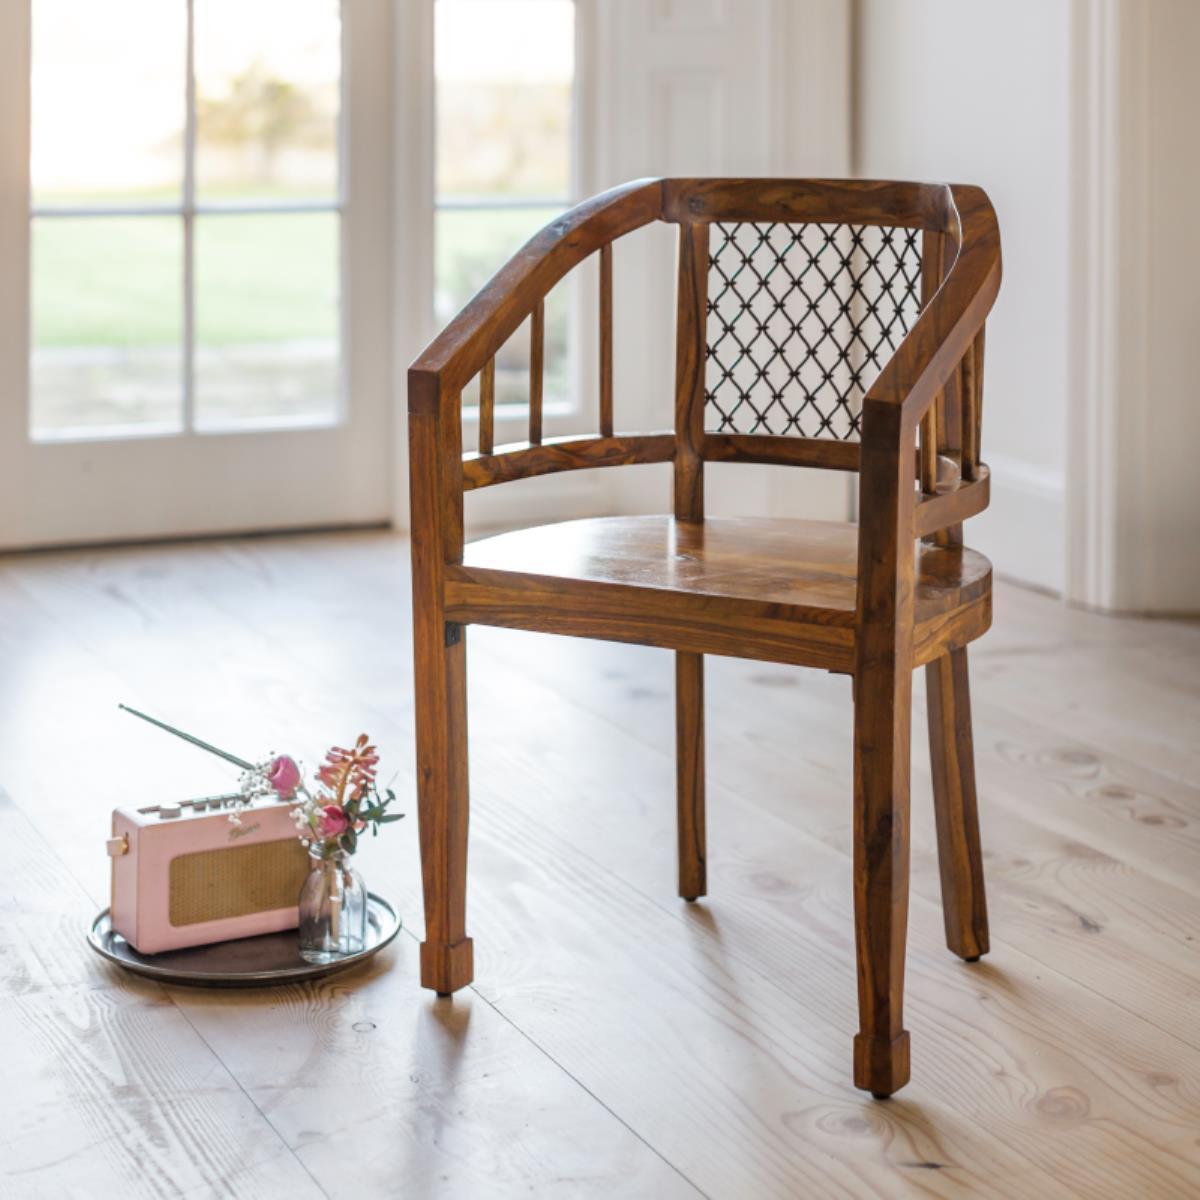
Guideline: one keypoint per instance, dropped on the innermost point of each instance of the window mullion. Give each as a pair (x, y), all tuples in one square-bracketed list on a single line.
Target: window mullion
[(488, 204), (189, 227)]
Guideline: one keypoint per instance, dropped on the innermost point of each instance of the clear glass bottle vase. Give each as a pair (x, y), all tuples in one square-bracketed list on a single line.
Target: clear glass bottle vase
[(333, 908)]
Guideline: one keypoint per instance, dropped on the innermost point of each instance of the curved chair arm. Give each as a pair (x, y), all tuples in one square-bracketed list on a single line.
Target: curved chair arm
[(931, 352), (946, 327), (889, 515), (458, 353)]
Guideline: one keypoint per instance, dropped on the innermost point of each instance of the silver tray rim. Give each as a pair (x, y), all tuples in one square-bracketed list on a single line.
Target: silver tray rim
[(390, 925)]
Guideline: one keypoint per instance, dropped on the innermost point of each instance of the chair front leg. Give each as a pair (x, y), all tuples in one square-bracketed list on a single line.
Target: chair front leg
[(952, 760), (689, 765), (882, 723), (441, 719)]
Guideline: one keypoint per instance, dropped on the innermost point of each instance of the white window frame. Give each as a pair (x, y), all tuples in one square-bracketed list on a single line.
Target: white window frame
[(188, 209), (561, 414), (242, 479), (387, 265)]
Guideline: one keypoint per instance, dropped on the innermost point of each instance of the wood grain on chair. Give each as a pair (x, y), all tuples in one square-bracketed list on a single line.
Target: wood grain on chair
[(820, 323)]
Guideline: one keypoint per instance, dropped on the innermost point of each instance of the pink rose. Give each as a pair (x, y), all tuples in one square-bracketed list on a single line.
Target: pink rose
[(284, 776), (333, 821)]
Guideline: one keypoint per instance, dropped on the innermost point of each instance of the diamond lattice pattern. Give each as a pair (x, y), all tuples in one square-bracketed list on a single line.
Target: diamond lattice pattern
[(801, 319)]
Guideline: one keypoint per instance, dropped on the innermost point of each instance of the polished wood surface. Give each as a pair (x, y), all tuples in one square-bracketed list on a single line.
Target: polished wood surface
[(487, 408), (781, 451), (952, 769), (440, 716), (606, 341), (690, 358), (890, 616), (778, 590), (689, 771), (805, 571), (522, 461), (457, 354), (537, 356), (904, 205), (617, 1041), (951, 504)]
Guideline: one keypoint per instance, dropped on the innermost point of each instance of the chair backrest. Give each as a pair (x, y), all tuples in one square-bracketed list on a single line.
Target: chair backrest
[(801, 319), (794, 296), (809, 313)]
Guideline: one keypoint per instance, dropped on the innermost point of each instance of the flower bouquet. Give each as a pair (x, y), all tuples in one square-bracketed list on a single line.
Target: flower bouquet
[(343, 802)]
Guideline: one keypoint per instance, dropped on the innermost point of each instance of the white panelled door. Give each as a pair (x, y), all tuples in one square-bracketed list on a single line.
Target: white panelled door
[(709, 87), (195, 305)]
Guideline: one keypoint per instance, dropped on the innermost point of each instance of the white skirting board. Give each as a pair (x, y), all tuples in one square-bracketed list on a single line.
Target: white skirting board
[(1023, 531)]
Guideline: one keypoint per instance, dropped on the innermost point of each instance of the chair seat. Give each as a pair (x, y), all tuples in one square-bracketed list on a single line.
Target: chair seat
[(782, 580)]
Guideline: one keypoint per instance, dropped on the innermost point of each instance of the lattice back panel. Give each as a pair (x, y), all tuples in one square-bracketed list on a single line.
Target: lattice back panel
[(801, 318)]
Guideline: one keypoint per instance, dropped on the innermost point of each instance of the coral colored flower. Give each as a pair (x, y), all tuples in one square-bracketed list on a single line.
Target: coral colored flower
[(284, 776), (333, 821), (350, 774)]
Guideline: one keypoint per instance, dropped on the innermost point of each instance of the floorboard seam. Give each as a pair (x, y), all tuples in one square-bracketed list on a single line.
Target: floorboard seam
[(270, 1124), (579, 1082)]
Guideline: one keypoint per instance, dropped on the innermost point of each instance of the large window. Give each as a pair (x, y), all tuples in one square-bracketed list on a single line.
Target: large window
[(224, 263), (185, 233), (505, 80)]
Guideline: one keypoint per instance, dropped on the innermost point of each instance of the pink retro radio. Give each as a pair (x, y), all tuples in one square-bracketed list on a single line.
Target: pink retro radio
[(185, 875)]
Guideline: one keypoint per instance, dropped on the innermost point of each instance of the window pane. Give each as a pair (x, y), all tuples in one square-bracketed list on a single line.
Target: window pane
[(108, 101), (107, 324), (267, 98), (471, 245), (504, 72), (266, 319)]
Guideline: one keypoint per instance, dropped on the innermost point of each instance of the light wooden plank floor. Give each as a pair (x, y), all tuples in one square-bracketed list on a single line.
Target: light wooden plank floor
[(617, 1042)]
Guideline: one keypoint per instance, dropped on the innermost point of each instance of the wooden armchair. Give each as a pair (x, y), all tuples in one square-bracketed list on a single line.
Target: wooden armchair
[(821, 324)]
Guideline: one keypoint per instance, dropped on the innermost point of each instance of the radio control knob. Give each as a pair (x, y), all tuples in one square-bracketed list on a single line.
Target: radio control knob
[(167, 811)]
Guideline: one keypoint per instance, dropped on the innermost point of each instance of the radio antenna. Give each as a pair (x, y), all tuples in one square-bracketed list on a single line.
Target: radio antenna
[(187, 737)]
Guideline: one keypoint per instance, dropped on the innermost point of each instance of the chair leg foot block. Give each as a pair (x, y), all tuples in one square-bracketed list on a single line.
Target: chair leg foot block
[(970, 947), (880, 1067), (446, 968)]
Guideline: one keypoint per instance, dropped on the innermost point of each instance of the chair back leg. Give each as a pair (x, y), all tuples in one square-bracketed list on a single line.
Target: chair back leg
[(952, 760), (440, 696), (689, 762), (882, 729)]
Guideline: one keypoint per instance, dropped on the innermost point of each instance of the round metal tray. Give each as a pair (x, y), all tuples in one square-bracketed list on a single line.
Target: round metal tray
[(263, 961)]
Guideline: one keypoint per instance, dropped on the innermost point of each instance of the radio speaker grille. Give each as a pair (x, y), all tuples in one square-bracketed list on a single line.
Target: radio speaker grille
[(233, 881)]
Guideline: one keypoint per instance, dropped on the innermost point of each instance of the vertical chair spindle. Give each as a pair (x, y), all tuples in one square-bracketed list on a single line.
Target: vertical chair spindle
[(606, 342), (928, 451), (689, 371), (933, 423), (972, 376), (537, 354), (487, 406)]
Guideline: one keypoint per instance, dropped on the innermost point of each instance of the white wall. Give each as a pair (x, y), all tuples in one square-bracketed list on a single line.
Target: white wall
[(979, 93), (1163, 541), (1134, 502)]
